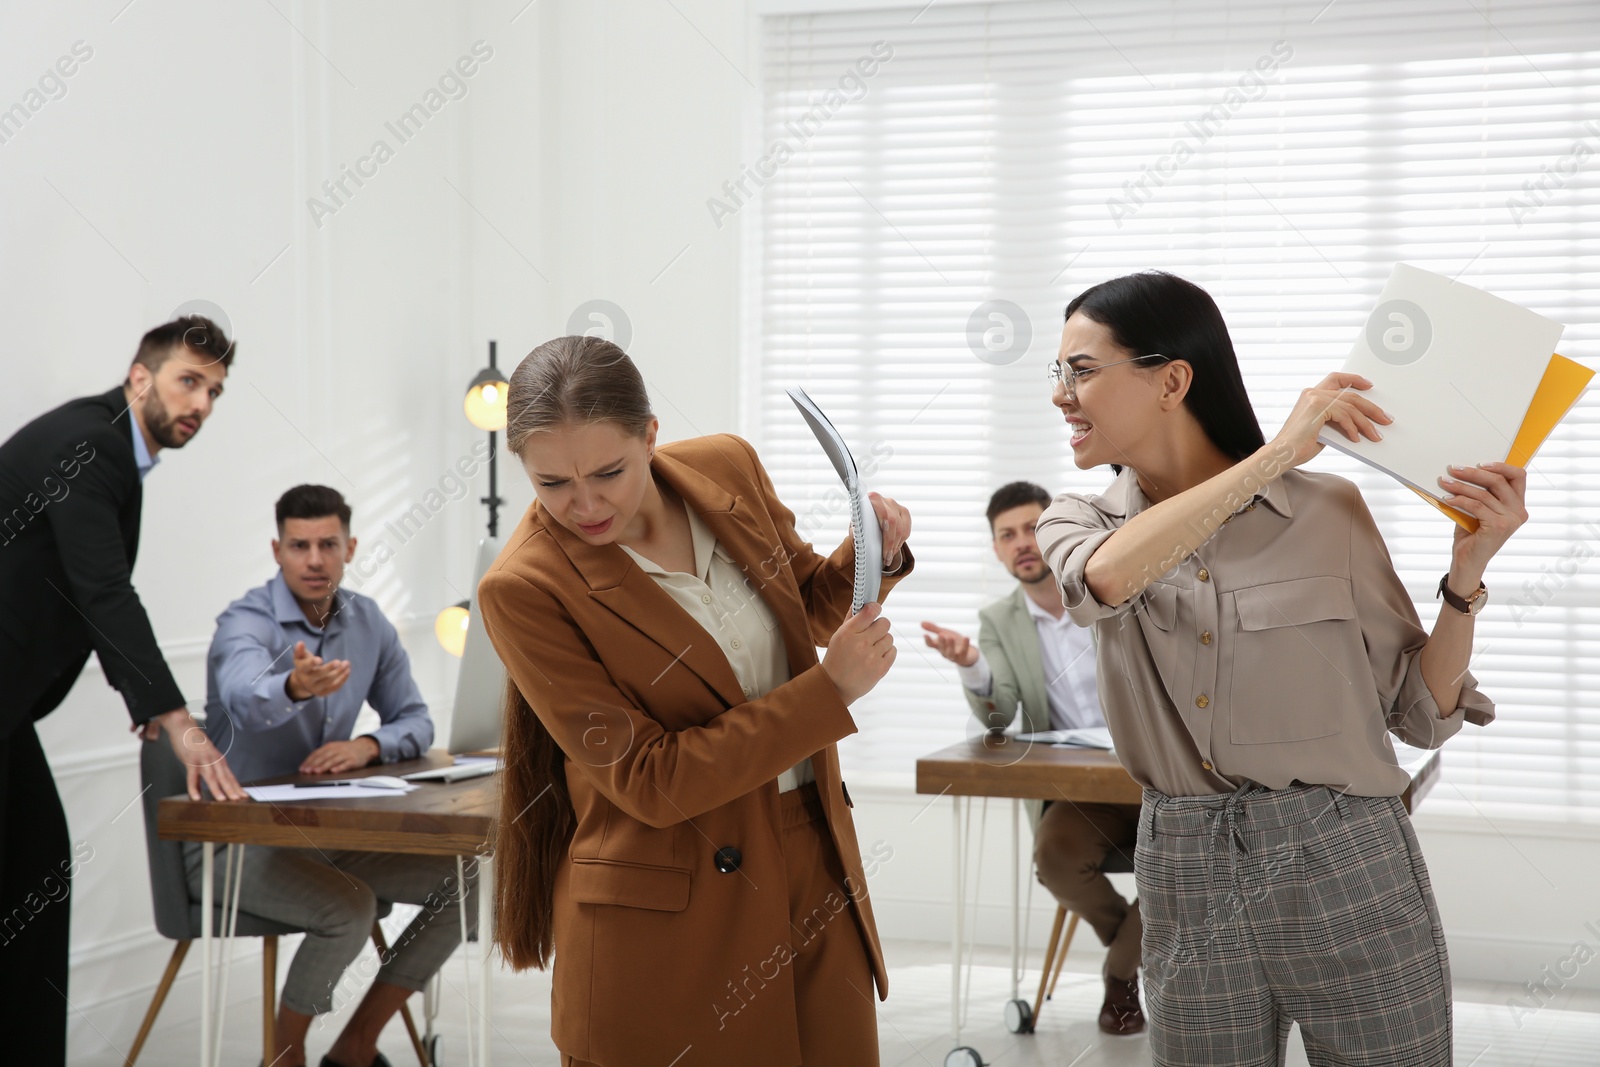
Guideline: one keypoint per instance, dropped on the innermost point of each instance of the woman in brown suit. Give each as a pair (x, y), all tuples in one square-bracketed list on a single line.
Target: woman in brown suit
[(674, 829)]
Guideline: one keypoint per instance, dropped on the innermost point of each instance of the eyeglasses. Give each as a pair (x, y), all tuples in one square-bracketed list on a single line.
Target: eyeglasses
[(1058, 374)]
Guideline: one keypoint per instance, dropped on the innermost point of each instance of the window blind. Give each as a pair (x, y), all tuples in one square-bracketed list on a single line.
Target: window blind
[(1282, 155)]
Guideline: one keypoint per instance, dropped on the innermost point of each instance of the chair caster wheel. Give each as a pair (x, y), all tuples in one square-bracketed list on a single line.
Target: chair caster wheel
[(1019, 1017), (963, 1057), (434, 1046)]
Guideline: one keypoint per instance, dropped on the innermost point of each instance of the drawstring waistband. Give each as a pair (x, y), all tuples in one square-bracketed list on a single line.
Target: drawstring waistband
[(1230, 814), (1233, 840)]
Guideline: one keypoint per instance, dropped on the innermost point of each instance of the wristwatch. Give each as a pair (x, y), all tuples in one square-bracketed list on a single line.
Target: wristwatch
[(1470, 606)]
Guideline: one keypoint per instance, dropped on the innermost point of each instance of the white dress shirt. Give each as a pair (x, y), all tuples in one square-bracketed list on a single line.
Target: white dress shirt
[(744, 627), (1067, 652)]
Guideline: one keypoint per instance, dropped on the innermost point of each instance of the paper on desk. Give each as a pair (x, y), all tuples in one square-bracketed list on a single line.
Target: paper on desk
[(375, 787), (1083, 737)]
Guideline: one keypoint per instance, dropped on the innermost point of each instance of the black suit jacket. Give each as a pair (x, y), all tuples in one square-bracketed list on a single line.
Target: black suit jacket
[(69, 533)]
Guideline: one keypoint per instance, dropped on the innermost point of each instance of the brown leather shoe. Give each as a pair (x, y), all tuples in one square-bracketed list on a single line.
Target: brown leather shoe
[(1120, 1014)]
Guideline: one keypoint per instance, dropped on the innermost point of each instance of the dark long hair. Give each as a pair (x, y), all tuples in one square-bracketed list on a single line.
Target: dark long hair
[(566, 381), (1156, 312)]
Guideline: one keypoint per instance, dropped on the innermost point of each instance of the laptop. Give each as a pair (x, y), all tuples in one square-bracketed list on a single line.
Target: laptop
[(480, 693)]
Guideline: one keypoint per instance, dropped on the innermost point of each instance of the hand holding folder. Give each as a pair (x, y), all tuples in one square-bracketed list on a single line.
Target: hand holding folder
[(1563, 382)]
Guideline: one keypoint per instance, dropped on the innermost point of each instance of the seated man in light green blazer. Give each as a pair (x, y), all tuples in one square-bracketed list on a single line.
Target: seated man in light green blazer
[(1030, 654)]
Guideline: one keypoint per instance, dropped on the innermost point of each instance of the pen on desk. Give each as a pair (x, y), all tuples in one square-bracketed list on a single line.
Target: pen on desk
[(321, 785)]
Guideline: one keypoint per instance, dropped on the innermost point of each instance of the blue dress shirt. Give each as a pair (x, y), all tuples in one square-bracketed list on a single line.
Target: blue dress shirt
[(141, 451), (249, 715)]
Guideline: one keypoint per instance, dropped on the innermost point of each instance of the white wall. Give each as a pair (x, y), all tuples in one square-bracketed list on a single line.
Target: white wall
[(178, 165)]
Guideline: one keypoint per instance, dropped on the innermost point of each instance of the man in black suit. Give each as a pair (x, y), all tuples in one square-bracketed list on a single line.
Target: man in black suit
[(70, 494)]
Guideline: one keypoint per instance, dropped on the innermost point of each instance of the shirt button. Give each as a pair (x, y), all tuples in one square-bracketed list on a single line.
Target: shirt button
[(705, 598), (735, 643), (746, 690), (1204, 575), (1206, 764), (1205, 637), (1201, 701)]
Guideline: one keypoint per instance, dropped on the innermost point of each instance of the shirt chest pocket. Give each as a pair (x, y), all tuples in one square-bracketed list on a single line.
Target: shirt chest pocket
[(1159, 604), (1296, 652)]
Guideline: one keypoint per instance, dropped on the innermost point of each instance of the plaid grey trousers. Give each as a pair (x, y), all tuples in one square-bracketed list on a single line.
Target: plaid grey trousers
[(1270, 907)]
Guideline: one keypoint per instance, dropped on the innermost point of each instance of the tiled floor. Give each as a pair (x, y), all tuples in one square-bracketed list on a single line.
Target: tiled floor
[(914, 1024)]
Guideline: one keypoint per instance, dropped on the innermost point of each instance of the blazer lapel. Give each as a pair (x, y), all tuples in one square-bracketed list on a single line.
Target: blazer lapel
[(734, 522), (1025, 638), (635, 597)]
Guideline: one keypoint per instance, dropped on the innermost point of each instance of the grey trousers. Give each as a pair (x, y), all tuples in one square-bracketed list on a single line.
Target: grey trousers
[(1270, 907), (334, 896)]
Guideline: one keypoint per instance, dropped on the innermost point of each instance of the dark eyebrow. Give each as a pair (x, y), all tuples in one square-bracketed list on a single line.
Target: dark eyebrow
[(591, 474), (1080, 355)]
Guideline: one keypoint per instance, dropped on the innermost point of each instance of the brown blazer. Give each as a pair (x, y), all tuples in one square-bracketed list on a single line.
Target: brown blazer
[(667, 763)]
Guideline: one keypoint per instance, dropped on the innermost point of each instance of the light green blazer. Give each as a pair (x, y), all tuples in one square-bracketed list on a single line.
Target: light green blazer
[(1009, 640)]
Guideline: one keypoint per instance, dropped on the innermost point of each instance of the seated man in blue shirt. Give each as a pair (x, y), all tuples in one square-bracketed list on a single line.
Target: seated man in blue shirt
[(290, 666), (1030, 655)]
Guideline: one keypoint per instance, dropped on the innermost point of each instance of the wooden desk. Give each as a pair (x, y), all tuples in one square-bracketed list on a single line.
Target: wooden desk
[(437, 819), (1003, 767)]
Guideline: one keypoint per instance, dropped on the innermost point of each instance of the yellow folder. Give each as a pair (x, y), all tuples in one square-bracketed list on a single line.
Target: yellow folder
[(1563, 382)]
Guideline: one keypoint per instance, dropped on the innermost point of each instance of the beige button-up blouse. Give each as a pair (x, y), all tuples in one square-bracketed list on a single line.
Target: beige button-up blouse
[(1285, 648), (733, 615)]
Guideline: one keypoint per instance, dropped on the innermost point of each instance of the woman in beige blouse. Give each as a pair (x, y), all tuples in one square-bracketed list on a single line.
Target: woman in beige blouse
[(1255, 651), (674, 827)]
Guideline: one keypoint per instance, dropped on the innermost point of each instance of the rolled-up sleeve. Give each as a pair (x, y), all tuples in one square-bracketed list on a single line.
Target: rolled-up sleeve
[(1069, 531), (1394, 640)]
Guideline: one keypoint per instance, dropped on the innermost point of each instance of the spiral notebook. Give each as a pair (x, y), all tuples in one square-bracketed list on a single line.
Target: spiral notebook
[(864, 529)]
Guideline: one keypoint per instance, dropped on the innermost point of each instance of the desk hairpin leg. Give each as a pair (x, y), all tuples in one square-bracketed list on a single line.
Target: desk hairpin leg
[(485, 948), (478, 1021), (1016, 902), (232, 885), (961, 1055), (1019, 1013), (208, 867), (955, 937), (466, 961)]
